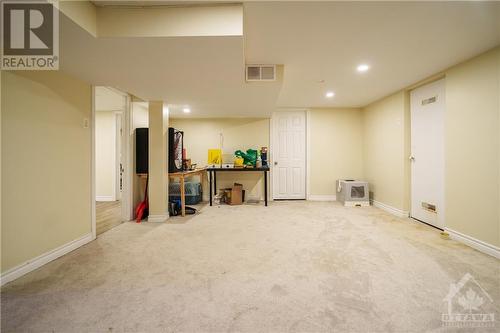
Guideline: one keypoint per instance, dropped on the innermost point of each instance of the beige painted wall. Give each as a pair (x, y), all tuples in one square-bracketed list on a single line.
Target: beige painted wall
[(46, 183), (472, 148), (82, 12), (385, 150), (223, 20), (140, 118), (472, 191), (239, 133), (158, 161), (335, 148), (105, 154)]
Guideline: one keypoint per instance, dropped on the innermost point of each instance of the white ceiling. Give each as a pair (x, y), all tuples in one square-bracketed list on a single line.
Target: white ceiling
[(403, 43), (204, 73)]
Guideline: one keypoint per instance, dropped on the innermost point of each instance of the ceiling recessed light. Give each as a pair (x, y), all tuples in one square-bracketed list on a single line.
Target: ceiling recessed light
[(363, 68), (186, 110), (330, 94)]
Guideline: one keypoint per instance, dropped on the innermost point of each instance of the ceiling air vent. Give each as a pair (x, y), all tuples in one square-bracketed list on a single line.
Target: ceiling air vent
[(261, 72)]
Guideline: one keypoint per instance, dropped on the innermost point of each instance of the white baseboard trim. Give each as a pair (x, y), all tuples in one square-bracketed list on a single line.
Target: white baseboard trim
[(158, 218), (477, 244), (43, 259), (322, 197), (357, 204), (394, 211), (104, 198)]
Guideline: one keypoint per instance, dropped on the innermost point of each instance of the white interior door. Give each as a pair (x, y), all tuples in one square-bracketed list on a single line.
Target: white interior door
[(427, 153), (289, 155)]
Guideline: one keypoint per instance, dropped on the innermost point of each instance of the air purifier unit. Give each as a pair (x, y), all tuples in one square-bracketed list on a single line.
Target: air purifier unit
[(353, 193)]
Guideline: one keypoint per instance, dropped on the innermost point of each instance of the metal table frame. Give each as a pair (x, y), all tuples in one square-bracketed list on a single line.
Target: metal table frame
[(212, 178)]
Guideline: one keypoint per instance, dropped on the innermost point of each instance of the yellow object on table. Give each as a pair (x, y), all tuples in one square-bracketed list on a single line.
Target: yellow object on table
[(238, 162), (214, 157)]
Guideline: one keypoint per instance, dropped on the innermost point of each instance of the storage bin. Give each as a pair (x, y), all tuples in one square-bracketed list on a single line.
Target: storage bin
[(192, 192)]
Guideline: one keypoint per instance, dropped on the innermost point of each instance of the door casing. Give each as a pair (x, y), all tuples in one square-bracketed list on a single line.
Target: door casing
[(127, 155)]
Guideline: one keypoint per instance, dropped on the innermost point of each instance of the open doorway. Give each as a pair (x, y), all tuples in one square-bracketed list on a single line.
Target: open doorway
[(111, 187)]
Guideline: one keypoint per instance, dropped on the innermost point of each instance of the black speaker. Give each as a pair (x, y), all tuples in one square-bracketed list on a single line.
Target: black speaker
[(141, 150)]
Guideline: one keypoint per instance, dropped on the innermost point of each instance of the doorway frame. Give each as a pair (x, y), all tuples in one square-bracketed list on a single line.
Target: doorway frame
[(119, 150), (271, 152), (126, 147), (92, 167)]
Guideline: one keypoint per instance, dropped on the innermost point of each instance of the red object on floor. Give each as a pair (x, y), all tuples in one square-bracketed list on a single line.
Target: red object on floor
[(143, 206)]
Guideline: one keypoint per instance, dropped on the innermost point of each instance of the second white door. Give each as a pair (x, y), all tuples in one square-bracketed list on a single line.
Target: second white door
[(289, 155), (427, 149)]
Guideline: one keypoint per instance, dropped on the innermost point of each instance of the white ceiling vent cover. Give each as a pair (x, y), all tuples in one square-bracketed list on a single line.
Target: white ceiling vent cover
[(261, 72)]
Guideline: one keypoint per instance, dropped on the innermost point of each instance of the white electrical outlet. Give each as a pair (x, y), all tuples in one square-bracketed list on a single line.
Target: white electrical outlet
[(86, 123)]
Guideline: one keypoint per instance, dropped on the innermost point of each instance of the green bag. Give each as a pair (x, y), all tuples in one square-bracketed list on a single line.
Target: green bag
[(249, 158)]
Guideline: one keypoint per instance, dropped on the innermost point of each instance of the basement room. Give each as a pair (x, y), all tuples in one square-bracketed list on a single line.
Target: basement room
[(250, 166)]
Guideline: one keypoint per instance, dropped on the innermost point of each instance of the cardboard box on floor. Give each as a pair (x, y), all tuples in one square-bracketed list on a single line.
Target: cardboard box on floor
[(234, 196)]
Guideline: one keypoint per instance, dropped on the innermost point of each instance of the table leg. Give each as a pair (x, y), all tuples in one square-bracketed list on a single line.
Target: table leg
[(215, 182), (265, 188), (183, 198), (210, 186)]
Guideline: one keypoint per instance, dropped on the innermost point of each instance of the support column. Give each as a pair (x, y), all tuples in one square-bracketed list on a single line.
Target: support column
[(158, 162)]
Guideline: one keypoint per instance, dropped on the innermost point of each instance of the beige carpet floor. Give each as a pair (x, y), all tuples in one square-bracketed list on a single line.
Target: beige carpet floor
[(290, 267)]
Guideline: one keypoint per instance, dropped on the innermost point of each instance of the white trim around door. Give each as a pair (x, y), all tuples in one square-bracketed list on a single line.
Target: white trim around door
[(127, 154), (118, 154), (92, 169), (308, 161)]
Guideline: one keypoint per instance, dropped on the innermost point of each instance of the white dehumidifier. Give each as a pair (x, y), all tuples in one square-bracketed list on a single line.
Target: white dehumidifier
[(353, 193)]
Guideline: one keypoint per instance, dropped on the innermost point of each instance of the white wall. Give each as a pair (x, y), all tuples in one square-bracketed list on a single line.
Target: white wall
[(105, 155)]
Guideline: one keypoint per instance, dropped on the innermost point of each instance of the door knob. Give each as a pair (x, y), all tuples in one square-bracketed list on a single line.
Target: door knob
[(275, 163), (412, 159)]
